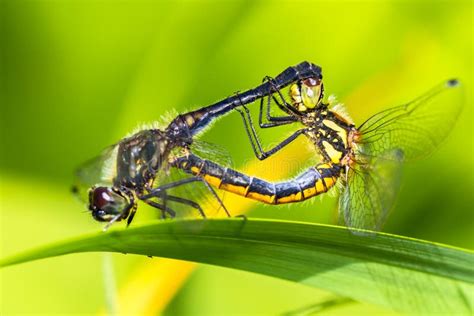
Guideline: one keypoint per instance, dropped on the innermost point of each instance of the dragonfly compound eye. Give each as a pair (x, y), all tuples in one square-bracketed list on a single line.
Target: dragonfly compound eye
[(106, 203), (312, 92)]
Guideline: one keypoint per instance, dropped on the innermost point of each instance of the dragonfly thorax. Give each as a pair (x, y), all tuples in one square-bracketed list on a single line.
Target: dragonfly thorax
[(330, 134), (139, 157)]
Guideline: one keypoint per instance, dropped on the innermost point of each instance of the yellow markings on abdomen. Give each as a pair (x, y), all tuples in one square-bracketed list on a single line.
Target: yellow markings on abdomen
[(269, 199), (240, 190), (329, 181), (290, 198), (214, 181), (324, 184), (320, 187), (309, 192)]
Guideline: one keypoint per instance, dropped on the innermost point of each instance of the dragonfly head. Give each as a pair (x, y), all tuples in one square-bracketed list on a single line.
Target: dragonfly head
[(109, 204), (307, 94)]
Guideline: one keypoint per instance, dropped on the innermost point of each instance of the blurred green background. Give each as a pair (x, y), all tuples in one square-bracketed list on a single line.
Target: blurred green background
[(77, 76)]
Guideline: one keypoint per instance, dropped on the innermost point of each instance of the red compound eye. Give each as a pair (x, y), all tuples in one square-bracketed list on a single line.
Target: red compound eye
[(312, 82), (101, 197), (106, 203)]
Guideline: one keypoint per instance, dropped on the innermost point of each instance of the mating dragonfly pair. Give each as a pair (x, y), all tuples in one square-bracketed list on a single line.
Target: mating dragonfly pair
[(364, 159)]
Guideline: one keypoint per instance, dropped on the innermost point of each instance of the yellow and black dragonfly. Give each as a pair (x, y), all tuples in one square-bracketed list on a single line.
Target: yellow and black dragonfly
[(137, 167), (364, 159)]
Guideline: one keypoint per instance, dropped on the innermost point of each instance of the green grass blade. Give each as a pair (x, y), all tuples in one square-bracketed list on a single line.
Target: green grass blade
[(397, 272)]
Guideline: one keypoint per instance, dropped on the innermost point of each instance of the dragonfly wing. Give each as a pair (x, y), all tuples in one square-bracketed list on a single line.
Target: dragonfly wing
[(370, 190), (417, 127), (219, 155), (96, 171), (213, 152)]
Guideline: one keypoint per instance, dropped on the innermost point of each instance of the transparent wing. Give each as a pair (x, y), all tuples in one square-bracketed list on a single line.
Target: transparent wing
[(96, 171), (221, 156), (417, 127), (213, 152), (370, 190)]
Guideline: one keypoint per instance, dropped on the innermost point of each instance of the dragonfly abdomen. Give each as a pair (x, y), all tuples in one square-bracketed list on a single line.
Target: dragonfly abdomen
[(318, 179), (191, 123), (312, 182)]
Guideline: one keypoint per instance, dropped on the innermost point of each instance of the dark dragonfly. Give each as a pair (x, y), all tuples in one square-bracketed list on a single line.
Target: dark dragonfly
[(130, 170), (365, 160)]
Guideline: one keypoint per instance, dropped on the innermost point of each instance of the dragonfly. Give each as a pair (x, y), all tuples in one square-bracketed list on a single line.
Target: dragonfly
[(137, 167), (365, 160)]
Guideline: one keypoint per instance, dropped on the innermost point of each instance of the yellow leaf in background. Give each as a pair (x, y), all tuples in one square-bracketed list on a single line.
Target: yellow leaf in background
[(152, 286)]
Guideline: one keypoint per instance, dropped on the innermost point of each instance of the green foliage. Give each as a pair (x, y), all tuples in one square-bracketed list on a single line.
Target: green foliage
[(76, 76), (382, 269)]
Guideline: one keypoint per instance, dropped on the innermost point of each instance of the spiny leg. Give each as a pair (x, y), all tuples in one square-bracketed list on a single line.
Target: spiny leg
[(255, 142), (292, 137), (251, 133), (216, 196), (273, 121), (158, 192), (133, 210), (187, 202), (273, 89), (165, 197), (285, 107), (253, 137), (163, 208)]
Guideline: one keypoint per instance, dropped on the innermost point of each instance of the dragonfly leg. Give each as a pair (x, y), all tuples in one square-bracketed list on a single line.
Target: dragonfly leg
[(208, 186), (272, 121), (158, 192), (161, 191), (187, 202), (251, 132), (253, 136), (163, 208), (292, 137), (285, 107), (133, 210), (274, 89), (255, 142)]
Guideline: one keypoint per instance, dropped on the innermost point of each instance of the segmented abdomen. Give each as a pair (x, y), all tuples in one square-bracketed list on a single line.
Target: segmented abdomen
[(312, 182)]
